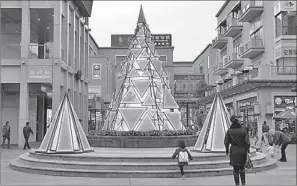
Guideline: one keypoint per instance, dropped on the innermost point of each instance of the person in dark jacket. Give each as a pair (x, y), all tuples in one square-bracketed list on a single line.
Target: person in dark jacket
[(265, 129), (278, 138), (26, 131), (182, 148), (240, 146), (6, 134)]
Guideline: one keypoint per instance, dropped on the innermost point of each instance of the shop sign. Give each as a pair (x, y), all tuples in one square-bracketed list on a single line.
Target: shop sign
[(196, 77), (96, 71), (123, 40), (98, 116), (181, 95), (181, 77), (284, 100), (285, 52), (245, 104), (39, 74), (283, 6)]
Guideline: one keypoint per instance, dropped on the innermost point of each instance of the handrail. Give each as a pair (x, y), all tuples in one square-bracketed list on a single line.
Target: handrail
[(283, 70)]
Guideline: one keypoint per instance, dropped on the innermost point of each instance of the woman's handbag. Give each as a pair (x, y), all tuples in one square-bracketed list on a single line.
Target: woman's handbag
[(249, 163)]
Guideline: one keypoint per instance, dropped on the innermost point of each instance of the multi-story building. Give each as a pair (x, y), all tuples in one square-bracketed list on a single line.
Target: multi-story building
[(185, 80), (100, 90), (44, 54), (204, 64), (256, 61)]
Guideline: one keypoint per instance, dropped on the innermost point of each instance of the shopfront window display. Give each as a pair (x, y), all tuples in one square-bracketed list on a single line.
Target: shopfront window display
[(247, 115), (288, 126)]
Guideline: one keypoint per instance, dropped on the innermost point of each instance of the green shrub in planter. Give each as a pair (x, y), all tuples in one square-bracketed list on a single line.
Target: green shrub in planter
[(146, 133)]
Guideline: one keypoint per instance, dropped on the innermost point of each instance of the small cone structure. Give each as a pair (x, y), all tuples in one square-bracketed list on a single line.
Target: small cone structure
[(217, 122), (143, 100), (65, 134)]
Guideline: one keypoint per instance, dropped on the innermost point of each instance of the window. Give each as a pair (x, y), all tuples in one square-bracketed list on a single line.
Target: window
[(286, 24), (257, 36), (236, 45), (201, 68), (208, 62), (256, 25), (120, 60), (11, 33), (41, 33)]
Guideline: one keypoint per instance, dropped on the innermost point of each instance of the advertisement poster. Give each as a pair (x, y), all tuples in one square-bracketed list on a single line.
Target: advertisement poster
[(96, 71)]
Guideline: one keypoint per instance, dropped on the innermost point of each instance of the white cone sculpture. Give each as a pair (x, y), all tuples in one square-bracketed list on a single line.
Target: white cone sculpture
[(217, 122), (65, 134), (142, 101)]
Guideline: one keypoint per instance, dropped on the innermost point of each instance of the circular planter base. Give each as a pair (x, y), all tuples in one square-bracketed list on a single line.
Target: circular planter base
[(140, 141)]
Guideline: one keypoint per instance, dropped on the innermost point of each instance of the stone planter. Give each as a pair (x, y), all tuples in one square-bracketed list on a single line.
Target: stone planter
[(140, 141)]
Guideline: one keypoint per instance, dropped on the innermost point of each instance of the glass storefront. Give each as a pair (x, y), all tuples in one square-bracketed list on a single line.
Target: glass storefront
[(11, 33), (41, 33), (281, 104), (247, 115)]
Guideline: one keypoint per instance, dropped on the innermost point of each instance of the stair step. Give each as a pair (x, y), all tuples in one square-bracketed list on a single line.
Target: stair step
[(260, 158), (19, 165), (122, 156)]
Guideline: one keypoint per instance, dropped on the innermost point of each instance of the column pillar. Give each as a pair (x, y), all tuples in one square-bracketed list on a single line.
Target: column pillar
[(24, 93), (57, 75)]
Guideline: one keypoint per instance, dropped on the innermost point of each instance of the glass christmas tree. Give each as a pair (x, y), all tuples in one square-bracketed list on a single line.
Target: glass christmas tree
[(142, 101)]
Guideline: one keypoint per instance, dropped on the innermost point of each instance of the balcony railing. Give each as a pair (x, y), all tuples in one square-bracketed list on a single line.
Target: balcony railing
[(252, 44), (233, 28), (233, 22), (233, 61), (40, 51), (251, 75), (220, 41), (283, 70), (252, 10)]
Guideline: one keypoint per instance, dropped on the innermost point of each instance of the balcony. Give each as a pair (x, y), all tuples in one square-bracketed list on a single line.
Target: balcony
[(40, 51), (219, 42), (233, 61), (252, 49), (233, 28), (283, 70), (251, 11), (219, 69)]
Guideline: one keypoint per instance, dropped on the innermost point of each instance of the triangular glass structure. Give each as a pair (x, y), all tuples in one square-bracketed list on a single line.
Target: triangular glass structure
[(65, 135), (217, 122), (141, 86), (146, 124), (138, 90), (169, 101), (132, 115), (131, 97), (149, 101)]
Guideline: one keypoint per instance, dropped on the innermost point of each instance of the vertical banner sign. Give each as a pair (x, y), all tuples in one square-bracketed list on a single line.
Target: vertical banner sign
[(96, 71)]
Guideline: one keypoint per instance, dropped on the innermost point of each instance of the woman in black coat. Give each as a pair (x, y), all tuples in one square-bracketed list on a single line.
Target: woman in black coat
[(240, 146)]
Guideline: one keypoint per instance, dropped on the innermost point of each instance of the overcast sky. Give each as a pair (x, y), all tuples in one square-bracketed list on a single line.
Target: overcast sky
[(191, 23)]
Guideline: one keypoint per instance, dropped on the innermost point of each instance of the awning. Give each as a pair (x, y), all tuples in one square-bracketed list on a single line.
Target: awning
[(286, 115)]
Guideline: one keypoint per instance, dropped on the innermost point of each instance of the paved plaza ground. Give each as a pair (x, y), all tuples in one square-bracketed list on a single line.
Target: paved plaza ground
[(284, 174)]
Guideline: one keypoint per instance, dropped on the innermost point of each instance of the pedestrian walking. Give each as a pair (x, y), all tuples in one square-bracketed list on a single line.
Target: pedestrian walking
[(240, 147), (279, 139), (183, 157), (6, 135), (265, 129), (26, 131)]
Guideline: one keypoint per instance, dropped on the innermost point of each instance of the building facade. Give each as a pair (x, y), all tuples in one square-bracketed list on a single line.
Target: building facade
[(44, 54), (100, 91), (184, 89), (256, 60)]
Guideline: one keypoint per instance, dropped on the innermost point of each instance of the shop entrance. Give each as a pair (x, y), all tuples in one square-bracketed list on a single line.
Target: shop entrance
[(40, 104)]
